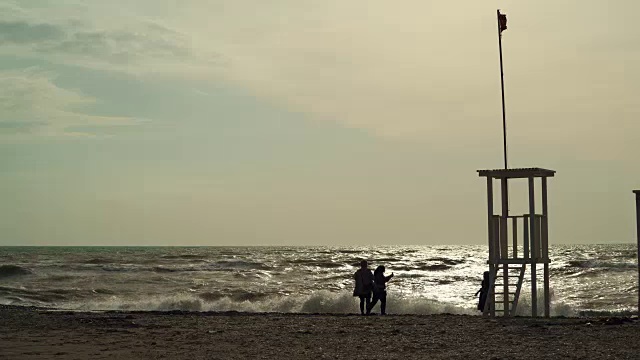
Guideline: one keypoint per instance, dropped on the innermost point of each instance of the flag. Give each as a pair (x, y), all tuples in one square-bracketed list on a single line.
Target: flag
[(502, 21)]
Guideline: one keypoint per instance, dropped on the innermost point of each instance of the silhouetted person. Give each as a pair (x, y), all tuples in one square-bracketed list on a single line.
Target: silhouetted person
[(364, 285), (484, 291), (379, 290)]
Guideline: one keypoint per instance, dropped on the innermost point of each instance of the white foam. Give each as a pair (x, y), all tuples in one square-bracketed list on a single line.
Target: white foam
[(557, 308), (317, 302)]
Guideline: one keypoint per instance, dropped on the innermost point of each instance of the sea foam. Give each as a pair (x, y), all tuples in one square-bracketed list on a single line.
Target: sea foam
[(316, 302)]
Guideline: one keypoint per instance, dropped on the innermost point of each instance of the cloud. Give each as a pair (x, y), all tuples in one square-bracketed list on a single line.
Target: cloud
[(31, 102), (72, 35), (121, 47), (21, 32), (428, 72), (19, 127), (423, 70), (387, 69)]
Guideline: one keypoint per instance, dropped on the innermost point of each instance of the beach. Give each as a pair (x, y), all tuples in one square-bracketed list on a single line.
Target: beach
[(35, 333)]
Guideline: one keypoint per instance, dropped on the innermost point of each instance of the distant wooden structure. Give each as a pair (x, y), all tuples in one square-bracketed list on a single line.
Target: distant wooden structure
[(637, 192), (508, 258)]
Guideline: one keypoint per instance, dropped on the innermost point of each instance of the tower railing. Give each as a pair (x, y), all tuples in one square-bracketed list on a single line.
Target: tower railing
[(510, 249)]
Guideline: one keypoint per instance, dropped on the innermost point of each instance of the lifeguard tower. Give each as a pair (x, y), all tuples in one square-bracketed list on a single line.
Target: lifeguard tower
[(509, 257)]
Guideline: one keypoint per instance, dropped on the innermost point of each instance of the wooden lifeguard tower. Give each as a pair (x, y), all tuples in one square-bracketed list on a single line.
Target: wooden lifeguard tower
[(508, 258)]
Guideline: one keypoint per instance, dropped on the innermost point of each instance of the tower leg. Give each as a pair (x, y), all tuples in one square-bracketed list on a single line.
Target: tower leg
[(504, 245), (545, 248), (490, 218), (547, 294), (637, 192), (534, 255), (488, 307)]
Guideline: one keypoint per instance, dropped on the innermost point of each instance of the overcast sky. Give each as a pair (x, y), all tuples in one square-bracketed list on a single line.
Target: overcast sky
[(297, 122)]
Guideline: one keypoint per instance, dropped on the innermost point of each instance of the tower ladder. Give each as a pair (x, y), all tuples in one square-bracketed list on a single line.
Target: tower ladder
[(499, 299)]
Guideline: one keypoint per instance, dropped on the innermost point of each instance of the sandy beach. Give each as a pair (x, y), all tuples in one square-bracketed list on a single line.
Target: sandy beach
[(30, 333)]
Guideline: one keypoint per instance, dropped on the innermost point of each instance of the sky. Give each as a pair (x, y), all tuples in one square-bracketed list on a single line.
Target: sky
[(300, 122)]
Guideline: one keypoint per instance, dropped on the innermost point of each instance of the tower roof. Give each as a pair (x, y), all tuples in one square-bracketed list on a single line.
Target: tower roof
[(517, 173)]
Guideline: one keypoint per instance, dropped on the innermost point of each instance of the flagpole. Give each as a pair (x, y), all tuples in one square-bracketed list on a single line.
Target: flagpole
[(504, 116)]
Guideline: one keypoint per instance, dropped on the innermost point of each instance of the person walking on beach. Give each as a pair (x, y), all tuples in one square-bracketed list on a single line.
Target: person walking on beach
[(484, 291), (364, 285), (379, 290)]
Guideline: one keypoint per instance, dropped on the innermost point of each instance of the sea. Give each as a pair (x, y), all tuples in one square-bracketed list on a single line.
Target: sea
[(586, 280)]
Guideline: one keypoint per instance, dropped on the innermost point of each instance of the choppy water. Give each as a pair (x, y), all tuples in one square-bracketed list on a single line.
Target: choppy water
[(429, 279)]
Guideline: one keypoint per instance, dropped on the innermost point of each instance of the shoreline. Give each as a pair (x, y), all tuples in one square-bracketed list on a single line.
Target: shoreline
[(38, 333), (577, 314)]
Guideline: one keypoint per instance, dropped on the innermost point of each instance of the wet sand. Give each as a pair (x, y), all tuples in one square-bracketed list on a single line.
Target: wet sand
[(29, 333)]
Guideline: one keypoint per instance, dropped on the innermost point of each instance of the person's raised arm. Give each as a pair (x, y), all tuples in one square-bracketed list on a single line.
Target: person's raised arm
[(387, 278)]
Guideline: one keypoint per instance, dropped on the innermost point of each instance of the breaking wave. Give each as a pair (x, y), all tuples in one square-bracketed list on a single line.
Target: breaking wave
[(13, 270), (317, 302), (321, 302), (591, 264), (239, 265), (318, 263), (99, 261), (424, 267)]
